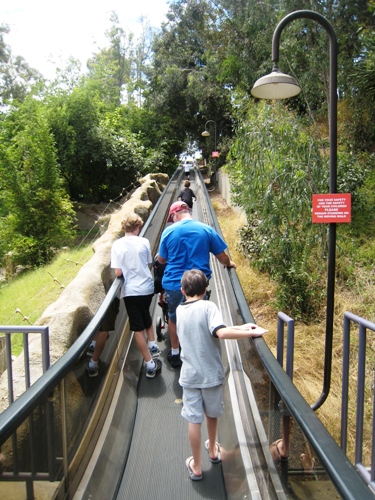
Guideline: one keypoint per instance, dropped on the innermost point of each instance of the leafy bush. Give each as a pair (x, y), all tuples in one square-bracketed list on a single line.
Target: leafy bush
[(275, 167), (40, 215)]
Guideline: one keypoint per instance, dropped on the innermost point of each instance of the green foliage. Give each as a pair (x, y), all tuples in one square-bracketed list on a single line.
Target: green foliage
[(40, 214), (276, 166), (16, 76), (110, 70), (184, 87)]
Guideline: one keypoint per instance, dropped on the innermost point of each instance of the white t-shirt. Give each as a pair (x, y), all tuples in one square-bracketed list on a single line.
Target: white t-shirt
[(132, 254)]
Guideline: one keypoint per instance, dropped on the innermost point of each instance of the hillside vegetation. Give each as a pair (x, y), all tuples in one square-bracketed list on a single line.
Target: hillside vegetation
[(260, 292)]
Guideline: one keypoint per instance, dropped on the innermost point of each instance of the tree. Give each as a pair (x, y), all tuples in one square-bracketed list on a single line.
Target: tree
[(111, 70), (40, 217), (276, 166), (16, 76), (183, 90)]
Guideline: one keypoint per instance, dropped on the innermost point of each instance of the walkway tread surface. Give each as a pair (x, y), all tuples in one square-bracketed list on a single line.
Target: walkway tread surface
[(155, 467), (160, 445)]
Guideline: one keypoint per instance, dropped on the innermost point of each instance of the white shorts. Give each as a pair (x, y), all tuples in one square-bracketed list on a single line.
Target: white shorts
[(200, 402)]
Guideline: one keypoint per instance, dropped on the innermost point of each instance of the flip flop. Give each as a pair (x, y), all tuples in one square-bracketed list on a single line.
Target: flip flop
[(193, 477), (308, 463), (217, 459), (277, 457)]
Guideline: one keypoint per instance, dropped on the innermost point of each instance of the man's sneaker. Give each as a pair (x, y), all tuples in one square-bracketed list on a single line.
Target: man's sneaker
[(175, 360), (93, 370), (90, 351), (151, 372), (154, 351)]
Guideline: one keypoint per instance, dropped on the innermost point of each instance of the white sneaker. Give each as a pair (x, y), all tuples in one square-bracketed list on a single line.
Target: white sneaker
[(154, 351), (151, 372)]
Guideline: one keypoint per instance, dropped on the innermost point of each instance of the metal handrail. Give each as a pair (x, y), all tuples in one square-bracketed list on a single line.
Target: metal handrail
[(363, 326), (12, 417), (342, 473)]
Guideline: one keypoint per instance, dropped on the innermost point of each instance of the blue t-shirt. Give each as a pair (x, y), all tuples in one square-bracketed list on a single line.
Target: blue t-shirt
[(186, 245)]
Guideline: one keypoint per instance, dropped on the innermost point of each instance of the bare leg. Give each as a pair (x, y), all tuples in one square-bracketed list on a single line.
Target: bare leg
[(195, 443), (150, 332), (142, 345), (101, 338), (173, 334), (212, 426)]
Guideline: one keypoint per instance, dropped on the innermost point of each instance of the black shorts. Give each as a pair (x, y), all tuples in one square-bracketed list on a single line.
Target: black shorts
[(138, 309), (109, 320)]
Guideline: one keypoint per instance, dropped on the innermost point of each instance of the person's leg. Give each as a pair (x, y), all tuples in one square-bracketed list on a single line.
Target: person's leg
[(172, 330), (150, 333), (195, 439), (100, 338), (192, 411), (142, 345), (213, 408), (174, 299), (151, 344), (212, 427)]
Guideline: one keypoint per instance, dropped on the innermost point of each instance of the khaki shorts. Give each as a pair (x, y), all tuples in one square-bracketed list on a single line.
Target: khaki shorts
[(200, 402)]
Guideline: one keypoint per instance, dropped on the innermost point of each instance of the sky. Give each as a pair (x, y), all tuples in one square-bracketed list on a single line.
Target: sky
[(42, 31)]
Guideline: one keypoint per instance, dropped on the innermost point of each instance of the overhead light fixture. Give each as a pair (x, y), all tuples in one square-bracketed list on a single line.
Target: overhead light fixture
[(276, 85)]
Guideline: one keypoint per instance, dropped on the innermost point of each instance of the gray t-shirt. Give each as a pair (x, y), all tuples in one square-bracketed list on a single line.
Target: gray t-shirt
[(197, 323)]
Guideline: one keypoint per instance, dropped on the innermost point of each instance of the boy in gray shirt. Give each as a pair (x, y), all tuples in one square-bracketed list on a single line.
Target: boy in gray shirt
[(200, 328)]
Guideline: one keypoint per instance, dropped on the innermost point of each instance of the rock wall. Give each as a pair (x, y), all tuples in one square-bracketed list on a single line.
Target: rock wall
[(79, 301)]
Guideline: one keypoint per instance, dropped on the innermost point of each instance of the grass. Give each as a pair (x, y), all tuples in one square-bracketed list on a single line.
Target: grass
[(309, 351), (24, 299)]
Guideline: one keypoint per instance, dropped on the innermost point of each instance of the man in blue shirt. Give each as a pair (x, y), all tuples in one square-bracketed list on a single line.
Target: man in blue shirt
[(186, 245)]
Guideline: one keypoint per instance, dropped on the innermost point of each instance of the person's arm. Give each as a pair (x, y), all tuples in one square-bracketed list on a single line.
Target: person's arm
[(240, 332), (224, 259), (162, 260), (118, 272)]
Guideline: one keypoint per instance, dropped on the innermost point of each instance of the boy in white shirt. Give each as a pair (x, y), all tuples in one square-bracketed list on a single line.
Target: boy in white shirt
[(130, 257)]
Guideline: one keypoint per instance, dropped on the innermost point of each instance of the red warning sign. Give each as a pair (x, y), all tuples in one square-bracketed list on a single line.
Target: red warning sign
[(215, 154), (327, 208)]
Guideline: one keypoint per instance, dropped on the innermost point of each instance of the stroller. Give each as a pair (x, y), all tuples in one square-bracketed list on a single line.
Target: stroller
[(158, 276), (162, 321)]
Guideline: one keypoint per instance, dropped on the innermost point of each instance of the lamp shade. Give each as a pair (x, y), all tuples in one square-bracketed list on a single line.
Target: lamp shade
[(206, 133), (276, 85)]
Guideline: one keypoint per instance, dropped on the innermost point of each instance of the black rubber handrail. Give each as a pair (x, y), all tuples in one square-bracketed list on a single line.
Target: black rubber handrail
[(17, 412)]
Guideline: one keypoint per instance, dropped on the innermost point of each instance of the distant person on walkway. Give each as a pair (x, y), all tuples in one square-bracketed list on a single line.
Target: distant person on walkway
[(187, 170), (130, 257), (100, 338), (187, 195), (185, 245), (200, 328)]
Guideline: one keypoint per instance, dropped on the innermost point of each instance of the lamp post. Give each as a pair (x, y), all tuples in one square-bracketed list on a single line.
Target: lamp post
[(206, 133), (278, 85)]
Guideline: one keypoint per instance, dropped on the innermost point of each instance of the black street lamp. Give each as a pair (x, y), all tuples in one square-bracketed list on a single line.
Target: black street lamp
[(206, 133), (278, 85)]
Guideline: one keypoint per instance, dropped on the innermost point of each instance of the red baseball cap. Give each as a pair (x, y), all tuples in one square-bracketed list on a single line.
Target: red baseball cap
[(177, 206)]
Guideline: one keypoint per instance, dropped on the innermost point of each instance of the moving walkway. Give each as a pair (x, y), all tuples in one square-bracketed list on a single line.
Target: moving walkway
[(124, 436)]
